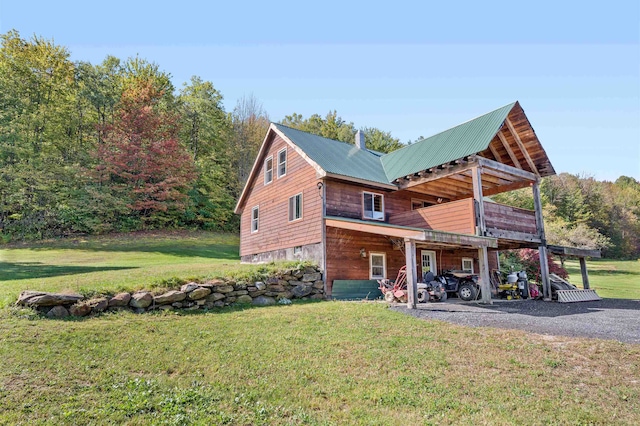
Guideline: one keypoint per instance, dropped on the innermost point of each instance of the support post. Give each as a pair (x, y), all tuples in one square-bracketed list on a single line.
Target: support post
[(585, 276), (485, 283), (542, 249), (476, 180), (412, 273)]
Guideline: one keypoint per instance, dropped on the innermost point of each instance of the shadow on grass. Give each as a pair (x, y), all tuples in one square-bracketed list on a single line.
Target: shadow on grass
[(610, 272), (213, 251), (27, 270)]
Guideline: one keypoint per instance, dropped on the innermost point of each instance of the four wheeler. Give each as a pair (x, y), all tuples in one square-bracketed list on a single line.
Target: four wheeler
[(464, 284)]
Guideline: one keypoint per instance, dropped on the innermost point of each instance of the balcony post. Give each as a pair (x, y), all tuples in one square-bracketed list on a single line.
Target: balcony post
[(542, 249), (412, 273), (483, 257)]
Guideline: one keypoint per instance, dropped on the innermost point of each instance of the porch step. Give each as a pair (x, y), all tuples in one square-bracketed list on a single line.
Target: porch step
[(568, 296)]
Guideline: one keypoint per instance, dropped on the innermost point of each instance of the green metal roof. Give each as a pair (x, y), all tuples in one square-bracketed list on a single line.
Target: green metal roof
[(345, 159), (338, 157), (465, 139)]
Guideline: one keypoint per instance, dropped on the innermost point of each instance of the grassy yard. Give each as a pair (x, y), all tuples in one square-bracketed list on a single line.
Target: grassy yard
[(610, 278), (313, 363)]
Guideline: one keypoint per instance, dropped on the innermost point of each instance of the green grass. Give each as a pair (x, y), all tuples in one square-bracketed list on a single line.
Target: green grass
[(314, 363), (618, 279)]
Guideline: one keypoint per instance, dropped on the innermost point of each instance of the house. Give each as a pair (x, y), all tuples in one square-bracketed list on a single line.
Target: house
[(363, 215)]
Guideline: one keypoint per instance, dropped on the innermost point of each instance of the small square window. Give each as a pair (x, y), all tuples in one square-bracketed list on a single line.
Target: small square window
[(373, 206), (297, 250), (467, 264), (268, 170), (282, 162), (255, 216), (295, 207)]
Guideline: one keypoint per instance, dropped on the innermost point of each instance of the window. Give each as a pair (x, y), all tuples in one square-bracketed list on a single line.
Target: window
[(254, 219), (295, 207), (268, 170), (282, 162), (418, 204), (377, 266), (428, 259), (467, 264), (373, 206), (297, 250)]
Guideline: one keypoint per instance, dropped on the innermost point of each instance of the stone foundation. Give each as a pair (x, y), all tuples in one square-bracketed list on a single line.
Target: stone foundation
[(310, 252), (278, 289)]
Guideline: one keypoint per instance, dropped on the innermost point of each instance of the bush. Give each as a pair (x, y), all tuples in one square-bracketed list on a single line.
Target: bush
[(529, 261)]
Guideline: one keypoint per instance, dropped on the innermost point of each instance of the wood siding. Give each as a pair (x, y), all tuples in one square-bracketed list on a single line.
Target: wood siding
[(457, 216), (509, 218), (275, 231), (345, 263)]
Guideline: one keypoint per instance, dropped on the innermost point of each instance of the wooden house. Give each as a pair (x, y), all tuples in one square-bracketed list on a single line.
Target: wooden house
[(363, 215)]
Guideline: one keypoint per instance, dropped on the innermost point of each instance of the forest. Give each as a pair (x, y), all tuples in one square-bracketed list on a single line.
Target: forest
[(116, 147)]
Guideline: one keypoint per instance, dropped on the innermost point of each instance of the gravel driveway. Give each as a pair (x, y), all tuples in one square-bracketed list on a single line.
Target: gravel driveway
[(614, 319)]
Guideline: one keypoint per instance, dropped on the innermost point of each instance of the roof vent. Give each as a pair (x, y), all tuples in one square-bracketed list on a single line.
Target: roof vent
[(360, 140)]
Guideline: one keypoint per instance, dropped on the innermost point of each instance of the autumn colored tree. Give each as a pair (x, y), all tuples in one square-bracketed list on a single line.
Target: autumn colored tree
[(141, 159)]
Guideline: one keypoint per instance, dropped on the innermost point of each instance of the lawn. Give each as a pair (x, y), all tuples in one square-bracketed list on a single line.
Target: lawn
[(610, 278), (314, 363), (309, 363)]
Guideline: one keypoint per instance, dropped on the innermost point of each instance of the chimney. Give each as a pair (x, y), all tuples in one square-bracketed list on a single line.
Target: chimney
[(360, 140)]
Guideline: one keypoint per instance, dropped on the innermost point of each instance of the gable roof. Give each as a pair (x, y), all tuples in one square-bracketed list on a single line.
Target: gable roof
[(460, 141), (336, 157)]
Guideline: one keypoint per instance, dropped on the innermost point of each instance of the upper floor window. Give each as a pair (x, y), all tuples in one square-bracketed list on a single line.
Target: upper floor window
[(255, 216), (295, 207), (418, 204), (282, 162), (268, 170), (373, 206)]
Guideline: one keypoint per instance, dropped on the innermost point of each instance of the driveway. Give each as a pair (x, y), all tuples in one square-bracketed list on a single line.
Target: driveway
[(614, 319)]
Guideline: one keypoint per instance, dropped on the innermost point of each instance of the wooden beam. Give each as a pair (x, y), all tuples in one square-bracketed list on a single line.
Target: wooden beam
[(476, 176), (574, 251), (542, 249), (522, 148), (485, 162), (512, 235), (412, 273), (585, 276), (495, 153), (438, 174), (505, 143), (485, 283)]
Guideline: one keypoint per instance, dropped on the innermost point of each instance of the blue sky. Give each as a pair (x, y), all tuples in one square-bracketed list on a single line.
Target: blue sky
[(409, 68)]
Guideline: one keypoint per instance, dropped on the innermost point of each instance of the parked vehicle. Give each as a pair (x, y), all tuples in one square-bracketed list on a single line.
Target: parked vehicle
[(463, 284), (431, 290)]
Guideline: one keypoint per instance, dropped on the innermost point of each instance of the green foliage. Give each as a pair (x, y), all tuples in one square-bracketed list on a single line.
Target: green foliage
[(332, 126)]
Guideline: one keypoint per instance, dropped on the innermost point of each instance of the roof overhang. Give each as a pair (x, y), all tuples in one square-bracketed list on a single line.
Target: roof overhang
[(415, 234)]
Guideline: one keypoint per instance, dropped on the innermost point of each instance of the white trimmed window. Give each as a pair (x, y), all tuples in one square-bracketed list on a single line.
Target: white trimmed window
[(377, 266), (282, 162), (268, 170), (467, 264), (255, 216), (372, 206), (295, 207)]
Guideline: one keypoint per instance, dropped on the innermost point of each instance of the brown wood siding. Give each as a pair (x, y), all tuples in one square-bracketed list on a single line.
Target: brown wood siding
[(457, 216), (344, 199), (509, 218), (345, 263), (275, 231)]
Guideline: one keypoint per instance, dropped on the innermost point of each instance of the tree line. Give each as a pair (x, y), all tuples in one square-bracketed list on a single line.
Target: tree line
[(116, 146)]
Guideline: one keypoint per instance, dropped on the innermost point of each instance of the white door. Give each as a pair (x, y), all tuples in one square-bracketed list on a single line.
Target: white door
[(428, 261)]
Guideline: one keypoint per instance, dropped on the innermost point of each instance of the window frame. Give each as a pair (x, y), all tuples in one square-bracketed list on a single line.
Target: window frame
[(469, 259), (373, 195), (294, 219), (297, 250), (285, 162), (268, 170), (433, 259), (256, 219), (384, 266), (419, 200)]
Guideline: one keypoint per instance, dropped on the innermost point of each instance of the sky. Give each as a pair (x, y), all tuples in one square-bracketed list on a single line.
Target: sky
[(410, 68)]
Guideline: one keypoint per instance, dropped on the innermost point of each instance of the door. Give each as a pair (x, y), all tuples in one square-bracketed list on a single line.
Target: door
[(428, 262)]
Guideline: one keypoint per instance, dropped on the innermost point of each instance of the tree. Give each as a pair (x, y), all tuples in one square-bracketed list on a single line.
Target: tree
[(141, 159)]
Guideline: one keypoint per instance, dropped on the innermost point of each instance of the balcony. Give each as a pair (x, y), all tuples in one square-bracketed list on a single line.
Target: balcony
[(502, 222)]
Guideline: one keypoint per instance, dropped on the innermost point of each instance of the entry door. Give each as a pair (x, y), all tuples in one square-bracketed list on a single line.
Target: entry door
[(428, 262)]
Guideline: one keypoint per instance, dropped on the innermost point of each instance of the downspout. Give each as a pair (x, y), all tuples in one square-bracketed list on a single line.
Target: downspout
[(323, 188)]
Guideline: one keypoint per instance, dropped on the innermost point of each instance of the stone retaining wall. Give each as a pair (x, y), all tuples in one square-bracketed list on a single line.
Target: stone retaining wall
[(292, 284)]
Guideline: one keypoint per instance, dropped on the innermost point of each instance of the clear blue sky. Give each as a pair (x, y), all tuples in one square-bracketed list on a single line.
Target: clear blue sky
[(411, 68)]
